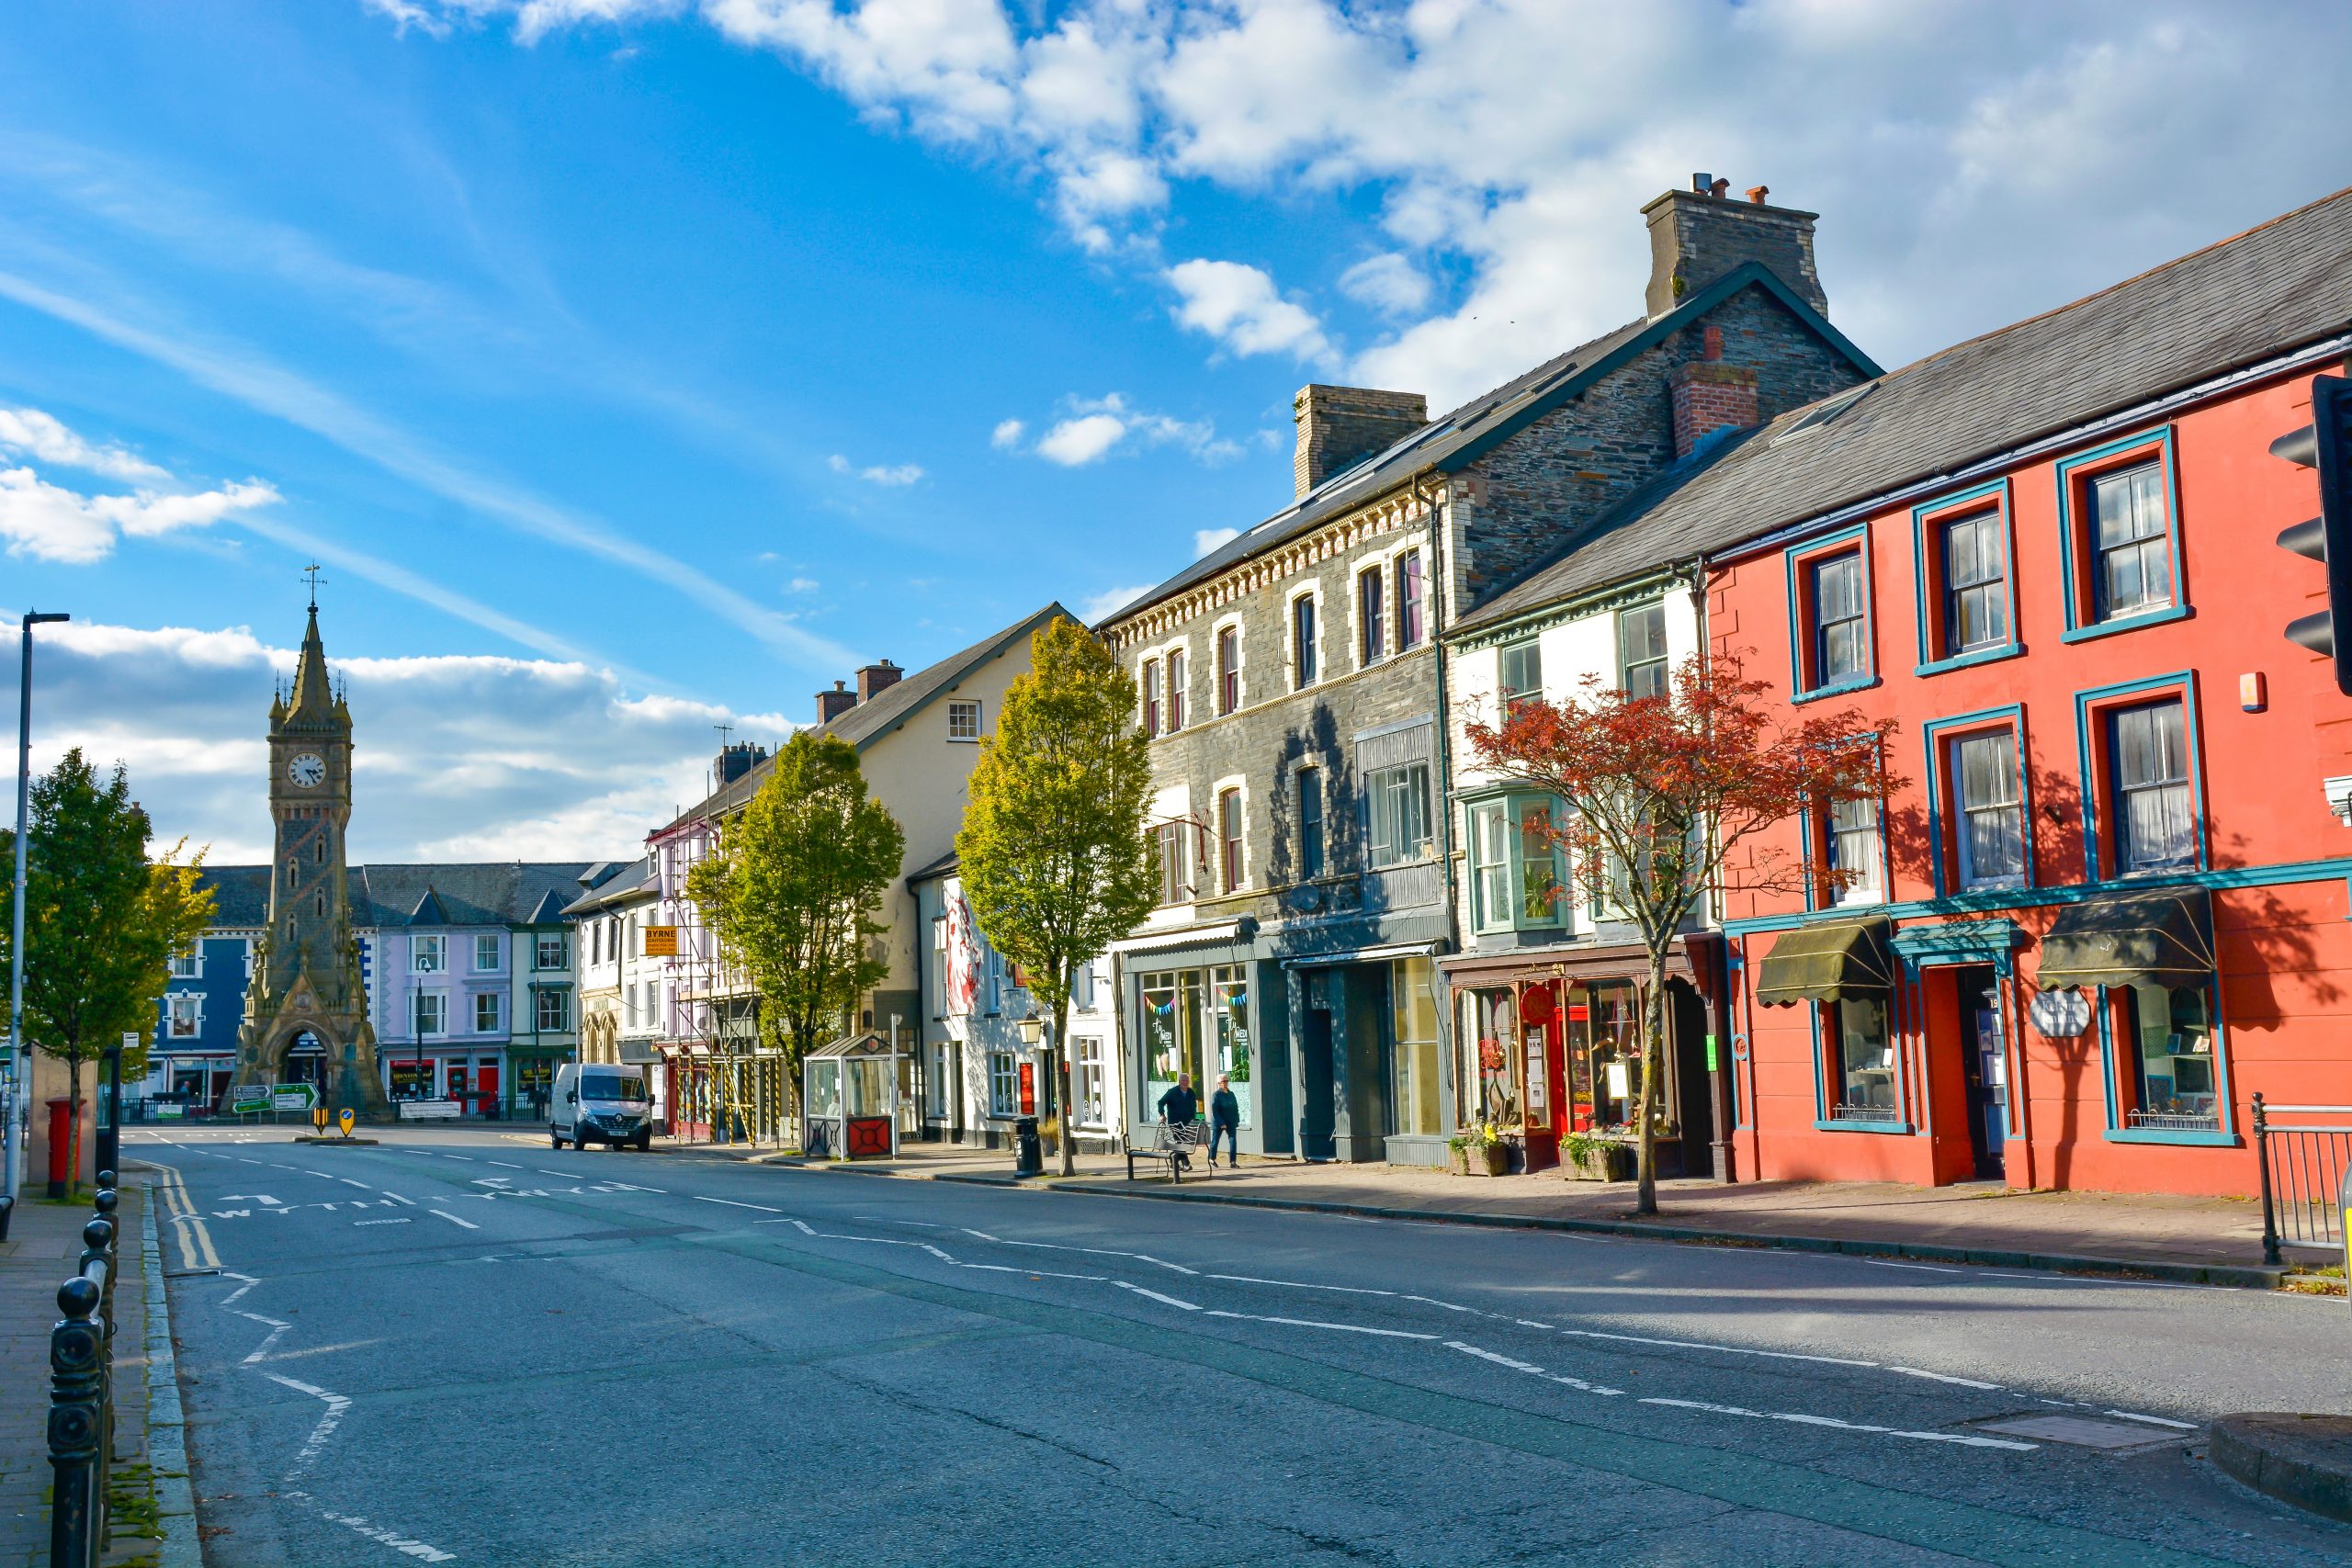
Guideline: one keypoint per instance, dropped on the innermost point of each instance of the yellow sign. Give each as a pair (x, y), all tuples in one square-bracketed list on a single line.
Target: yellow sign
[(318, 1117), (346, 1119), (661, 941)]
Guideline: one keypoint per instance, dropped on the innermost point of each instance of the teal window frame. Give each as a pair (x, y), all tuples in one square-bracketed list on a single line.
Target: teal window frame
[(2226, 1136), (1927, 522), (1942, 814), (2092, 707), (1509, 698), (1516, 808), (1816, 848), (1798, 561), (2072, 474), (1901, 1127)]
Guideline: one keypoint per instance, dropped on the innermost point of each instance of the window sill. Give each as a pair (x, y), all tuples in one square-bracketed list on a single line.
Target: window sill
[(2124, 623), (2157, 1135), (1963, 660), (1895, 1129), (1843, 688)]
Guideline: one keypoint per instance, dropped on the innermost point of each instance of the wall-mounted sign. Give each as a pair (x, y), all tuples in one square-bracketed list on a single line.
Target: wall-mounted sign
[(2060, 1015), (661, 941)]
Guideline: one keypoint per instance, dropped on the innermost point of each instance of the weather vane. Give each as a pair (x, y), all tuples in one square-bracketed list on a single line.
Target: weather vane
[(311, 573)]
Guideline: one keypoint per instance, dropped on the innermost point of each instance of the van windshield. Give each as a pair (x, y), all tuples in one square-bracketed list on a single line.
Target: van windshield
[(611, 1086)]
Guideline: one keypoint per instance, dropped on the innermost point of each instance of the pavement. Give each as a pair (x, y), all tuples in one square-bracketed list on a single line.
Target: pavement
[(44, 1246), (467, 1347), (2189, 1240)]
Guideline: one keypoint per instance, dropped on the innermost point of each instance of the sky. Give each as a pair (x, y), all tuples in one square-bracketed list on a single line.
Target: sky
[(637, 368)]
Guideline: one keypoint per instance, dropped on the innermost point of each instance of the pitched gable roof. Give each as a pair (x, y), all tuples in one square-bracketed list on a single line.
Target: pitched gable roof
[(2284, 286), (627, 884), (1469, 432), (496, 892), (239, 895), (879, 714)]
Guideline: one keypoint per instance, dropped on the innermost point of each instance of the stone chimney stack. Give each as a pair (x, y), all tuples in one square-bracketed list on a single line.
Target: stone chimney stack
[(832, 704), (735, 760), (1338, 426), (1697, 235), (1709, 397), (874, 678)]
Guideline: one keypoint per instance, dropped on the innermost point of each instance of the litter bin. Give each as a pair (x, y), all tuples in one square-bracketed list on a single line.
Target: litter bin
[(1029, 1155)]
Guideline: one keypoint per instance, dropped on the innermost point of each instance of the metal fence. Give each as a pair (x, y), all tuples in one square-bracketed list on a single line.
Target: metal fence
[(81, 1414), (2303, 1162)]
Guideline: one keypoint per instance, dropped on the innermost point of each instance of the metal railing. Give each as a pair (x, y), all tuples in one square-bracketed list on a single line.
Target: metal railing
[(2303, 1166), (81, 1396)]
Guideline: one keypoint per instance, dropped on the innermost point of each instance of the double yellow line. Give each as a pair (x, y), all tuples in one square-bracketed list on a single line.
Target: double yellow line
[(183, 1222)]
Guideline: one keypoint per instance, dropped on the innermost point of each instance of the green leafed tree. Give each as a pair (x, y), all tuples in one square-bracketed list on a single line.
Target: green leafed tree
[(1052, 855), (792, 887), (101, 920)]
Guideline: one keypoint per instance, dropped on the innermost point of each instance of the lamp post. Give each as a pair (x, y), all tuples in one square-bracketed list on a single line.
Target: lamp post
[(13, 1077), (1032, 1035)]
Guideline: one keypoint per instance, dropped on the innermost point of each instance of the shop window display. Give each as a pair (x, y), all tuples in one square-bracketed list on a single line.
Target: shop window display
[(1229, 1006)]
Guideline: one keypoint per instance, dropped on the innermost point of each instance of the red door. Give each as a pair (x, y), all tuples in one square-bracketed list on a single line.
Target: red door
[(486, 1088)]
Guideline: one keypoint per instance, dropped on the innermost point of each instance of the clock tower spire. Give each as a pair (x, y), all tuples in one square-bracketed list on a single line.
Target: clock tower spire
[(306, 1009)]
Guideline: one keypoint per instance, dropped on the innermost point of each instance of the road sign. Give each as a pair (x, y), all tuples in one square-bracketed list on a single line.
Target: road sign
[(346, 1119), (293, 1096), (249, 1097), (661, 941), (318, 1117), (130, 1041)]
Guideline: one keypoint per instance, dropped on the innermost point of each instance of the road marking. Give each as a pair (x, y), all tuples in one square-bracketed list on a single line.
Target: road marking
[(1922, 1267), (348, 1183), (1942, 1377), (1098, 1251), (1964, 1439), (1312, 1322), (249, 1283), (396, 1197), (402, 1221), (2155, 1420), (1726, 1349), (1518, 1366), (336, 1405), (567, 1175), (1303, 1285), (509, 1165), (765, 1210), (467, 1158), (189, 1227), (392, 1539), (453, 1219), (1155, 1295), (275, 1328)]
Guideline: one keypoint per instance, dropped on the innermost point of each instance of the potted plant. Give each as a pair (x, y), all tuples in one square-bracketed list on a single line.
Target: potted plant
[(1479, 1150), (1601, 1153)]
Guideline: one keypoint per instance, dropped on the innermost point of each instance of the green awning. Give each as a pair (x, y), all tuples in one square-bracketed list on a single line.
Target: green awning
[(2140, 939), (1828, 962)]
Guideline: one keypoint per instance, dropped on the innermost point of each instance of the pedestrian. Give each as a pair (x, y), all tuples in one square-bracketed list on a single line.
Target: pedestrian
[(1225, 1122), (1181, 1108)]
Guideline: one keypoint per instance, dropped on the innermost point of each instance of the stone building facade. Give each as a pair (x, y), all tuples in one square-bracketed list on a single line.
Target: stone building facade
[(1294, 687)]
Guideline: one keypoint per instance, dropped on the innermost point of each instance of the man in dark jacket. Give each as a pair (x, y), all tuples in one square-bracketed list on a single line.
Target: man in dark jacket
[(1181, 1108), (1225, 1122)]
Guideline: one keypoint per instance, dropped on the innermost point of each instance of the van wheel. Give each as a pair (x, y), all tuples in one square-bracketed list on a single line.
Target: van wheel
[(555, 1139), (645, 1141)]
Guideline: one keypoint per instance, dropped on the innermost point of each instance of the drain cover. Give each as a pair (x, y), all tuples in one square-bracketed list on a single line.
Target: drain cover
[(2083, 1432)]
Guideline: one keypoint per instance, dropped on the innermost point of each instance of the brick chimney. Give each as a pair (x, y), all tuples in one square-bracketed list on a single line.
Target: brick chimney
[(1338, 426), (1697, 235), (832, 704), (874, 678), (1709, 396)]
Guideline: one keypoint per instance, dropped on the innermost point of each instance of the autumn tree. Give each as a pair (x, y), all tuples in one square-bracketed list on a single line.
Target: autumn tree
[(1052, 852), (1658, 791), (791, 888), (101, 922)]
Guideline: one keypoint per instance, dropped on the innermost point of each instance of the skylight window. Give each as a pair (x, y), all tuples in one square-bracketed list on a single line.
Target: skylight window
[(1824, 410)]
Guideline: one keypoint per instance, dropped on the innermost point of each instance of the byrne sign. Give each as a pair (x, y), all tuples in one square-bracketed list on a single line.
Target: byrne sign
[(661, 941)]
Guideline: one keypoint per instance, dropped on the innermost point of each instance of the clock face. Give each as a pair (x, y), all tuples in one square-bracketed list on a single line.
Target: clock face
[(307, 770)]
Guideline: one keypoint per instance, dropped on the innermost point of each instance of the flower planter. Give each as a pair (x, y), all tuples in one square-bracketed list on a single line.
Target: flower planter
[(1603, 1161), (1486, 1159)]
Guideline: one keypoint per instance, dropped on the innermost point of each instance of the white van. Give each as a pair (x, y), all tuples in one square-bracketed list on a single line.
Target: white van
[(596, 1103)]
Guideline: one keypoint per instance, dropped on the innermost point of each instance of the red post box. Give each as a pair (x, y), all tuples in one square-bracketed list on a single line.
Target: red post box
[(61, 1146)]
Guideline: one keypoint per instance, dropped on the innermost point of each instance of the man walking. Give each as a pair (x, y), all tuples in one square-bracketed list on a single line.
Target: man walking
[(1181, 1108), (1225, 1122)]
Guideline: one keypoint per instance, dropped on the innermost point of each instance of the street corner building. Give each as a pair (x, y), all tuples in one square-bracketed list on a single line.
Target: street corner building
[(2106, 906), (1304, 726), (435, 990)]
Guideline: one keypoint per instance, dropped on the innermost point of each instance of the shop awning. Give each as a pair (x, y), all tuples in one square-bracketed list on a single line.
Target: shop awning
[(2140, 939), (1828, 962)]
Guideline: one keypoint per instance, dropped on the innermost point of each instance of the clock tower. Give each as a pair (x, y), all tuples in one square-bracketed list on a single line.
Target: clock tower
[(306, 1007)]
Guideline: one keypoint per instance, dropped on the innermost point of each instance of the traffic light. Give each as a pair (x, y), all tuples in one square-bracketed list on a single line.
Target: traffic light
[(2325, 444)]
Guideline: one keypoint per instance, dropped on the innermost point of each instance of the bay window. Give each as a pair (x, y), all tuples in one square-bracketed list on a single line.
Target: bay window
[(1397, 801)]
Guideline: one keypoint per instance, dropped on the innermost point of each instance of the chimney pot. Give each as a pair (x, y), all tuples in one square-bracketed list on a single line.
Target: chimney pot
[(1695, 240), (1710, 342), (1340, 426), (1757, 193), (832, 704), (1718, 188), (877, 678)]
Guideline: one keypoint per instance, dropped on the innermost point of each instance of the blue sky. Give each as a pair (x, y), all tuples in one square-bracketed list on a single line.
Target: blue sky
[(639, 365)]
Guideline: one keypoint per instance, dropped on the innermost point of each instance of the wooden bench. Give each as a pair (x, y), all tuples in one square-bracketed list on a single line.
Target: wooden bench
[(1169, 1146)]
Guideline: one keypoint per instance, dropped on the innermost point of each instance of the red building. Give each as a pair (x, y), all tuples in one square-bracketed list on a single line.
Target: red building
[(2105, 899)]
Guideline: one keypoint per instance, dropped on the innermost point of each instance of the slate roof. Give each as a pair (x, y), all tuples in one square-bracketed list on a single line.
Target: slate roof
[(945, 865), (628, 882), (878, 717), (509, 893), (1467, 434), (2236, 303), (240, 895)]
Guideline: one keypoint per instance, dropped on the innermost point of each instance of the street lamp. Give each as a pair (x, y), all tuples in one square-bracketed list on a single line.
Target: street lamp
[(13, 1103)]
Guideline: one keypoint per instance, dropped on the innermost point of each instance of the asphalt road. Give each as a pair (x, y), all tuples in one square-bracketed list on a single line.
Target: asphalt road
[(465, 1346)]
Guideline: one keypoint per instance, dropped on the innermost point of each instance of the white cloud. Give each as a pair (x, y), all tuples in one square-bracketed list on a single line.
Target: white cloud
[(1238, 306), (1206, 539), (39, 435), (888, 476), (1074, 442), (1390, 282), (1006, 436), (49, 522), (1110, 600), (801, 585), (457, 757)]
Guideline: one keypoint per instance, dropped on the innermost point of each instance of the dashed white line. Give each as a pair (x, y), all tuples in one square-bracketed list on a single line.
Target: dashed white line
[(1155, 1295), (396, 1197), (1313, 1322), (402, 1221), (1964, 1439), (2154, 1421), (1726, 1349), (348, 1183), (1942, 1377), (453, 1219), (508, 1164), (762, 1207)]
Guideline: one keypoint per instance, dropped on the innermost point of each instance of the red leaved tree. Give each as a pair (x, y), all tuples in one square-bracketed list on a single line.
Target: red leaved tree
[(1659, 792)]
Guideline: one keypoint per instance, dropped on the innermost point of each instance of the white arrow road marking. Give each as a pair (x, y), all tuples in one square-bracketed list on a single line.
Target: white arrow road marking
[(454, 1220), (263, 1199)]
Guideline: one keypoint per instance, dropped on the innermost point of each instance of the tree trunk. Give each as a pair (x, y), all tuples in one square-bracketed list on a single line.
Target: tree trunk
[(1070, 1106), (1652, 1047)]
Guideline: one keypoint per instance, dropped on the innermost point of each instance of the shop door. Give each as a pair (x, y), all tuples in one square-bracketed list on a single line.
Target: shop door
[(1315, 1065), (459, 1087), (1985, 1064), (486, 1086)]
